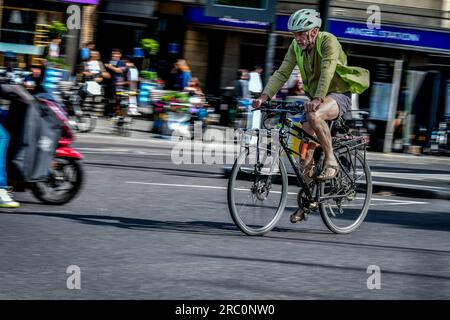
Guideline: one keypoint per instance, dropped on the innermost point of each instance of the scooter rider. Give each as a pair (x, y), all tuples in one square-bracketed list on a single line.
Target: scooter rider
[(6, 201), (33, 82)]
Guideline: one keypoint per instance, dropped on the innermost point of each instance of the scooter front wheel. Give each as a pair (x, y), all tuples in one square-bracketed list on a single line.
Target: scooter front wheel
[(63, 183)]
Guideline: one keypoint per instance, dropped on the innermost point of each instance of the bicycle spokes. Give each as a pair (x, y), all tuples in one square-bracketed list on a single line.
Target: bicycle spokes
[(257, 192), (347, 197)]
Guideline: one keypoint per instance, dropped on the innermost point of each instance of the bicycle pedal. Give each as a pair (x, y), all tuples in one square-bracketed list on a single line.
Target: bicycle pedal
[(314, 206)]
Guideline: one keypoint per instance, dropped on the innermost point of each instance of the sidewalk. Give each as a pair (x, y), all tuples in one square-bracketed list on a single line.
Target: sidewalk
[(403, 174)]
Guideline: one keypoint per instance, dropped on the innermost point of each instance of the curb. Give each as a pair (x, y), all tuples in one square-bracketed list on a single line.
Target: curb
[(411, 192)]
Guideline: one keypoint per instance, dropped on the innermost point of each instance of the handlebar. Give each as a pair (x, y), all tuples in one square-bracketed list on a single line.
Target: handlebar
[(281, 107)]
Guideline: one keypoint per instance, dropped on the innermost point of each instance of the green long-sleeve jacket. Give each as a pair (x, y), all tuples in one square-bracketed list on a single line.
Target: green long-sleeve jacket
[(324, 69)]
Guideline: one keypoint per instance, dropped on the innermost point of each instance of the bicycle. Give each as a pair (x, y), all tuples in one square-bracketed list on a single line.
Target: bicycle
[(81, 120), (122, 120), (258, 184)]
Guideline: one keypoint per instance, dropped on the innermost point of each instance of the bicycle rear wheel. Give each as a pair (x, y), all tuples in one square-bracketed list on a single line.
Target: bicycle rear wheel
[(257, 191), (346, 213)]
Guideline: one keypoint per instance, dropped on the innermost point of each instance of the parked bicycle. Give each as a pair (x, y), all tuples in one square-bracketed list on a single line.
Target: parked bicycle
[(258, 185), (122, 120), (80, 120)]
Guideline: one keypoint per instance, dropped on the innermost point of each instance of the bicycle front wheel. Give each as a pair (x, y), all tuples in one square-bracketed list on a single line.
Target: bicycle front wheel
[(345, 213), (257, 191)]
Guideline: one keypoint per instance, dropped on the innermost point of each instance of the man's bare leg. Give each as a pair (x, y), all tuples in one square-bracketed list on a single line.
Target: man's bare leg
[(316, 126), (328, 110), (308, 162)]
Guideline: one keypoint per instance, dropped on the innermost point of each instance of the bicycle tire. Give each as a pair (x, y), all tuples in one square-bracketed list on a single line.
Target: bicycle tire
[(247, 228), (328, 221)]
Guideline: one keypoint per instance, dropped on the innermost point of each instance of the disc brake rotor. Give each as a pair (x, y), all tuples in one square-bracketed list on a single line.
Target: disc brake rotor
[(260, 190)]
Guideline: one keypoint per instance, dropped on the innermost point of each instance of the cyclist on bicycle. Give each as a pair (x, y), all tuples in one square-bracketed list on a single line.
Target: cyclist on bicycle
[(327, 80)]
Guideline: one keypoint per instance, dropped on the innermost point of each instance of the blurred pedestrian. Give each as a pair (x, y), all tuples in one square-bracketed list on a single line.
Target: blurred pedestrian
[(182, 74), (52, 50), (33, 82), (293, 86), (241, 85), (131, 73), (240, 93), (132, 78), (117, 68), (194, 87), (94, 68), (255, 82), (83, 55), (85, 51)]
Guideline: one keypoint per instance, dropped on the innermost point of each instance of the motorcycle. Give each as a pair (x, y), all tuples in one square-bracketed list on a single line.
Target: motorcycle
[(64, 172), (14, 76)]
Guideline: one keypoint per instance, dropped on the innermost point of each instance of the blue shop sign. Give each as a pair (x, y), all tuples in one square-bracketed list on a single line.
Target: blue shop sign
[(399, 36), (413, 38), (407, 37), (197, 15)]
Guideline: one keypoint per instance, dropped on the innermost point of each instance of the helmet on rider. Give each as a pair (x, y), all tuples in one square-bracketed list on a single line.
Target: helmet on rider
[(304, 20)]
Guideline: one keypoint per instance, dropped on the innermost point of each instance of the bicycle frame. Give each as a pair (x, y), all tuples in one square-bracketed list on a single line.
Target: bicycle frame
[(300, 133), (283, 134)]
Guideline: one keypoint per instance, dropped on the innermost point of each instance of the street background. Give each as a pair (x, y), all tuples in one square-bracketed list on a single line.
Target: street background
[(143, 228)]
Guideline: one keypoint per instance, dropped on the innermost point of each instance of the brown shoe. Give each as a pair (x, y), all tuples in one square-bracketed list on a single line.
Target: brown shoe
[(297, 216), (325, 172)]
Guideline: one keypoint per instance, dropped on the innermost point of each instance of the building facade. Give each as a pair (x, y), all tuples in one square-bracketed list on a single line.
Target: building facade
[(415, 34), (24, 28)]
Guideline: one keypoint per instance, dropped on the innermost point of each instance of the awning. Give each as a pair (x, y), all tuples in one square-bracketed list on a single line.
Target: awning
[(130, 8), (20, 48), (83, 1)]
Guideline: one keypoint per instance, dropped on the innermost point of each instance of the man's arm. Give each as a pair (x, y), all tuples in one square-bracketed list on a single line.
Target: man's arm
[(279, 78), (330, 54), (114, 69)]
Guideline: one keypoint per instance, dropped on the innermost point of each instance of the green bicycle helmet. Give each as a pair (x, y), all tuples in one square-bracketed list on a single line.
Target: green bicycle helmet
[(304, 20)]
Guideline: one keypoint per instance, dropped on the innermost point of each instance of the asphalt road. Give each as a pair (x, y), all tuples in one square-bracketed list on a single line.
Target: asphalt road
[(144, 228)]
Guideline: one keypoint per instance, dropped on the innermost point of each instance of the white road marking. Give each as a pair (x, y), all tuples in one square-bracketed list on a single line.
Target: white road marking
[(392, 201), (411, 176), (176, 185), (120, 151), (381, 183), (41, 211)]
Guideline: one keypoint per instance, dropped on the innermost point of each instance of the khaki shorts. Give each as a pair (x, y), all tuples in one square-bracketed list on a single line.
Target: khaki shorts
[(343, 100)]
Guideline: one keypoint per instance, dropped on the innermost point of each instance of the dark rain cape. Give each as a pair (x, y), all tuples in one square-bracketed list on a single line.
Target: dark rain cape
[(34, 130)]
